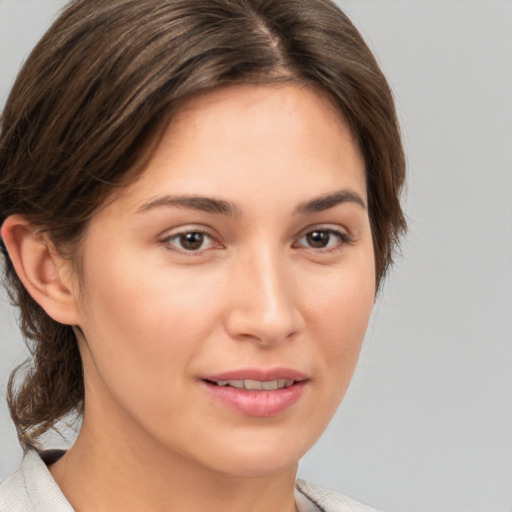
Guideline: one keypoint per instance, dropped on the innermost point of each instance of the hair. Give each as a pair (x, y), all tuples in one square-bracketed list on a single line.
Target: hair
[(98, 90)]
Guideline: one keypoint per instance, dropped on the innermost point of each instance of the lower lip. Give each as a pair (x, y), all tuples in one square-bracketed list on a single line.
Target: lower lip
[(259, 403)]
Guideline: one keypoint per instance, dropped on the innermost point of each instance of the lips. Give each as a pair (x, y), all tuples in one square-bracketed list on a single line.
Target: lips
[(254, 392), (252, 385)]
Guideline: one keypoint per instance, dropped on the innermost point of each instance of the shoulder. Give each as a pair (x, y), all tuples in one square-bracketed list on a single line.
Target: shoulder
[(13, 494), (330, 501), (32, 489)]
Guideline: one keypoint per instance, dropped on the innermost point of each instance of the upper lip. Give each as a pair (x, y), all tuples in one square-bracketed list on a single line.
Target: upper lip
[(258, 374)]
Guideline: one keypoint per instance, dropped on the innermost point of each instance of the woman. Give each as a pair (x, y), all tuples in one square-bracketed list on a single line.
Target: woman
[(198, 202)]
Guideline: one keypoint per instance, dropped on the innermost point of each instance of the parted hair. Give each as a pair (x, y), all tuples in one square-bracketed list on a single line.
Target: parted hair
[(94, 96)]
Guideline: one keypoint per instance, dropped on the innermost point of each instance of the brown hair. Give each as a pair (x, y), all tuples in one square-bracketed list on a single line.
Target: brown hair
[(96, 92)]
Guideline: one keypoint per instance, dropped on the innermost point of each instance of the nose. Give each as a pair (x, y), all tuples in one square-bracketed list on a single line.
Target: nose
[(263, 306)]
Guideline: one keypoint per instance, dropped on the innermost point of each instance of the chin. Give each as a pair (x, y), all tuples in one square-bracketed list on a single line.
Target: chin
[(257, 466), (259, 456)]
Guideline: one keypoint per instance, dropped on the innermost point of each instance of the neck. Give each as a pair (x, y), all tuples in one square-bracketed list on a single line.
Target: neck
[(108, 471)]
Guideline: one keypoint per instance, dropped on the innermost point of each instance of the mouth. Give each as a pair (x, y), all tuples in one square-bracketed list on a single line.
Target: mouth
[(257, 394), (255, 385)]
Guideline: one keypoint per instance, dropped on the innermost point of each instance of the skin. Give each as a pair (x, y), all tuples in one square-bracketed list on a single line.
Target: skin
[(260, 292)]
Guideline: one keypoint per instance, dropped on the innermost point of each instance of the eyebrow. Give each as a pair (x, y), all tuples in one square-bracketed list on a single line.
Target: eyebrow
[(329, 201), (219, 206), (205, 204)]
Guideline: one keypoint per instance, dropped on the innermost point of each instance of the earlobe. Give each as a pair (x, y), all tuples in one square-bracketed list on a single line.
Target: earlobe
[(46, 275)]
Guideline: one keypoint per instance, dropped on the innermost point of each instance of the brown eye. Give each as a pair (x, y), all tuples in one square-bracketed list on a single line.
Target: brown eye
[(318, 239), (324, 239), (191, 241)]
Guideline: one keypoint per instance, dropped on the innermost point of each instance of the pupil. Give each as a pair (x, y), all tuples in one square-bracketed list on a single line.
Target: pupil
[(318, 238), (192, 241)]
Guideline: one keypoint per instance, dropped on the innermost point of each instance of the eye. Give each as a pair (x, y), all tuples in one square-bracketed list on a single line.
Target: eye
[(190, 241), (324, 239)]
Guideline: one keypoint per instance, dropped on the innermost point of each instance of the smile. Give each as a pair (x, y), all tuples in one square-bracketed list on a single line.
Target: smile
[(257, 385), (257, 393)]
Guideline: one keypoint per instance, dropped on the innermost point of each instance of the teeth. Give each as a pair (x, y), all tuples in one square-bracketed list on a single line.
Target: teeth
[(239, 384), (249, 384), (252, 384)]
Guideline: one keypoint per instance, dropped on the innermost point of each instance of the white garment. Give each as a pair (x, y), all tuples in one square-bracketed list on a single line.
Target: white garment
[(33, 489)]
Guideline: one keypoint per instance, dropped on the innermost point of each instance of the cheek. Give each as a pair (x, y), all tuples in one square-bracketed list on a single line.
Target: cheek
[(349, 313), (140, 324), (342, 302), (339, 312), (142, 333)]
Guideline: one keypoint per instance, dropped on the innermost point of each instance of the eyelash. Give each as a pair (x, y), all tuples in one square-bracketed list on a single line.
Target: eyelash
[(177, 236), (342, 237)]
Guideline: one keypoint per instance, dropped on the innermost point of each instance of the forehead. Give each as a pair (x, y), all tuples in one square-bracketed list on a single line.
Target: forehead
[(251, 99), (246, 111), (243, 135)]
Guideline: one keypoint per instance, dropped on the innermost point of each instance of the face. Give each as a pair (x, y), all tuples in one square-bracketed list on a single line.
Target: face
[(226, 293)]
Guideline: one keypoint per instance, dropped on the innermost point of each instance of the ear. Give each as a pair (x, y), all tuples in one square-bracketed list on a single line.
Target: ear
[(46, 275)]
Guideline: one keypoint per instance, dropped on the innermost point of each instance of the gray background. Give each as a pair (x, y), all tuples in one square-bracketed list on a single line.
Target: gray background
[(427, 423)]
